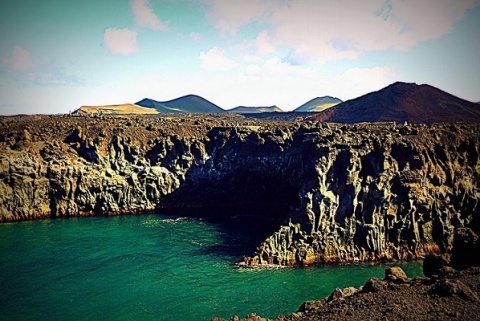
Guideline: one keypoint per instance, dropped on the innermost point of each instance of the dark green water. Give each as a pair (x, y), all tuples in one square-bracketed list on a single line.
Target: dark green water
[(151, 267)]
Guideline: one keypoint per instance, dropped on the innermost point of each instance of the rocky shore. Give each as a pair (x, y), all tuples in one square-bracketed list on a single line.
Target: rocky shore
[(346, 193), (450, 290)]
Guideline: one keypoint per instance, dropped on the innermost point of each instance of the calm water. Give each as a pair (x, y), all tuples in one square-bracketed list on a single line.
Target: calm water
[(151, 267)]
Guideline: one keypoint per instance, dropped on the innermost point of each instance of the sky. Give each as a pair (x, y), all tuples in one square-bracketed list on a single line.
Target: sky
[(58, 55)]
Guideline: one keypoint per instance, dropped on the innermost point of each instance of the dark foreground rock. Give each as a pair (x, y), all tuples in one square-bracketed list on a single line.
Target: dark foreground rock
[(346, 193), (456, 297), (450, 292), (417, 299)]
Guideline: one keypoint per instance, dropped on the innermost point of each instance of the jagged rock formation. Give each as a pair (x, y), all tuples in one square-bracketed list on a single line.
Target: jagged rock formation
[(341, 189), (364, 203), (450, 291)]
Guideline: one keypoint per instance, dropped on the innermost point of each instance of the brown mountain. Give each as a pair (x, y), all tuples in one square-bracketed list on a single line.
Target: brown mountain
[(255, 110), (403, 102)]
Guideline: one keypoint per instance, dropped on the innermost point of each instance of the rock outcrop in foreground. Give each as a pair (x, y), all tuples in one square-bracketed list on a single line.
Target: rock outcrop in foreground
[(450, 291), (347, 193)]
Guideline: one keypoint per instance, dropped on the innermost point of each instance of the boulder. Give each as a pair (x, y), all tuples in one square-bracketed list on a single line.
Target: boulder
[(336, 294), (396, 274), (342, 293), (433, 263), (466, 249), (311, 305), (349, 291), (447, 271), (451, 287), (374, 285)]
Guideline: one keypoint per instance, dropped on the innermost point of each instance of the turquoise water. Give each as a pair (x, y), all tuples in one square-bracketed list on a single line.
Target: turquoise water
[(151, 267)]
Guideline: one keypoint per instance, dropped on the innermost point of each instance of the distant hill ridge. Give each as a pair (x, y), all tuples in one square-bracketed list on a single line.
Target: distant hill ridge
[(255, 110), (403, 102), (318, 104), (185, 104), (120, 109), (397, 102)]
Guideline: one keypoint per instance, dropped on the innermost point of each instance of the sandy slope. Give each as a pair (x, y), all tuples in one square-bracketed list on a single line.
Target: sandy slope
[(116, 109)]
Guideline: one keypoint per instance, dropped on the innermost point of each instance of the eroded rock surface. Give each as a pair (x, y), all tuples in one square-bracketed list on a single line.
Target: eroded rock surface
[(442, 296), (346, 192)]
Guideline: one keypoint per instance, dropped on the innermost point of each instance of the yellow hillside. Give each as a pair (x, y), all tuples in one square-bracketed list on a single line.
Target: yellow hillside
[(122, 109)]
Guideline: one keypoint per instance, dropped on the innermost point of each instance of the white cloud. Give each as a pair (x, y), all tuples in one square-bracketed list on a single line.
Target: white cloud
[(20, 60), (251, 58), (275, 82), (253, 70), (346, 29), (229, 16), (263, 44), (416, 21), (215, 60), (359, 81), (278, 82), (144, 15), (335, 30), (195, 36), (268, 82), (275, 66), (121, 41), (23, 67)]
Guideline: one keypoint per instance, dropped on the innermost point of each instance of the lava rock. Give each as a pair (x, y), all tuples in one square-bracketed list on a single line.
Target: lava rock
[(432, 264), (396, 275), (453, 287), (466, 249), (374, 285)]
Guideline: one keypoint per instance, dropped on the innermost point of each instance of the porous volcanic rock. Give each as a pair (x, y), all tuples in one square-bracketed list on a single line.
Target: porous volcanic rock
[(453, 298), (448, 296), (346, 193)]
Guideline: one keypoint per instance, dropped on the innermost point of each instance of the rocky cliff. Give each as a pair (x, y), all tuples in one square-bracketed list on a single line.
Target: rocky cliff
[(450, 290), (345, 192)]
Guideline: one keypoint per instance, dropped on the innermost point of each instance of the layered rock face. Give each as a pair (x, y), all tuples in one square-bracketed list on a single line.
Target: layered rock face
[(346, 193), (450, 291)]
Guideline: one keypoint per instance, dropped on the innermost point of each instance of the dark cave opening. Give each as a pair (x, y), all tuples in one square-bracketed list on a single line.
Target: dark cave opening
[(241, 234), (269, 196), (247, 207)]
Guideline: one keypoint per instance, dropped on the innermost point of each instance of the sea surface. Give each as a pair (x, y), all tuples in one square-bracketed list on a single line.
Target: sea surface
[(153, 267)]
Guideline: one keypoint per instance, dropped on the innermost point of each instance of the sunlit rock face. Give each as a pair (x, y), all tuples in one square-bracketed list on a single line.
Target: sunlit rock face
[(365, 192)]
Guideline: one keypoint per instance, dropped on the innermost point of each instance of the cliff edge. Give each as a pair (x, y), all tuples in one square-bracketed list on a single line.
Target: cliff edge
[(450, 290), (346, 193)]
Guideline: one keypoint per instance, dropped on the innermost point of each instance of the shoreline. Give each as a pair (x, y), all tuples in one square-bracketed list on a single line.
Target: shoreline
[(449, 290), (343, 193)]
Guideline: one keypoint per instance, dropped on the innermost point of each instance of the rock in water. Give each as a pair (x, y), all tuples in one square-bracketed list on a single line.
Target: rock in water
[(396, 274)]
